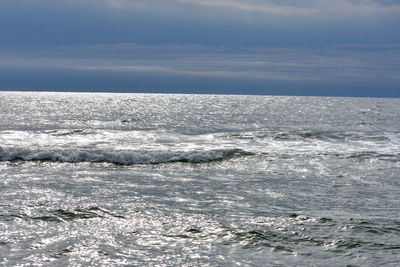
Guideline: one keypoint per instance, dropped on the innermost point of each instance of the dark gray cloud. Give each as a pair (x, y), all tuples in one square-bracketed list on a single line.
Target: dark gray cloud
[(222, 22), (199, 44), (176, 63)]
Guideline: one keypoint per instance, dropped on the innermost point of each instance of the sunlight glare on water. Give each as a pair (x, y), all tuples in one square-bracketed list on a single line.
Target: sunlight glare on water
[(187, 180)]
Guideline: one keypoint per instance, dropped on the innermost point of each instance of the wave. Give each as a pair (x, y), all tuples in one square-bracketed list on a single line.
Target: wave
[(69, 132), (286, 233), (305, 135), (122, 157), (63, 215), (368, 155)]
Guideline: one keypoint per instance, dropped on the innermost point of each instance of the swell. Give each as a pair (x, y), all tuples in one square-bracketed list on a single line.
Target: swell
[(122, 157), (288, 233), (63, 215), (321, 135), (360, 146)]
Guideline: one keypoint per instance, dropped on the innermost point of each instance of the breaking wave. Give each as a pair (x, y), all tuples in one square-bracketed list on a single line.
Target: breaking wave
[(123, 157)]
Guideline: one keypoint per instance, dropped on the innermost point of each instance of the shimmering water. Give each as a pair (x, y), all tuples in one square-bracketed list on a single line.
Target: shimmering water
[(190, 180)]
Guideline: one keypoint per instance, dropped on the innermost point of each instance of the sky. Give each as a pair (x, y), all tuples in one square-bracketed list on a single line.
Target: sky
[(272, 47)]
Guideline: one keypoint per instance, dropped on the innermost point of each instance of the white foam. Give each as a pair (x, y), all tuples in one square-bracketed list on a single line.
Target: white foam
[(130, 147)]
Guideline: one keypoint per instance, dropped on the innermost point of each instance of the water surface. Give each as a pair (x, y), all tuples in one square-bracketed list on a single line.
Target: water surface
[(136, 179)]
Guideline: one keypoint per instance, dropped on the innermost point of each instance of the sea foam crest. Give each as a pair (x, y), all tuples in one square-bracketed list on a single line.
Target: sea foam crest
[(124, 157)]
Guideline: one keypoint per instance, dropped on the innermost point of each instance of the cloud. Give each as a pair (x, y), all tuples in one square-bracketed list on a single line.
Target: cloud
[(302, 8), (318, 8), (261, 40), (336, 63), (258, 6), (218, 22)]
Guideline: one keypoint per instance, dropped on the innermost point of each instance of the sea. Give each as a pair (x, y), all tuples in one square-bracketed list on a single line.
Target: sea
[(107, 179)]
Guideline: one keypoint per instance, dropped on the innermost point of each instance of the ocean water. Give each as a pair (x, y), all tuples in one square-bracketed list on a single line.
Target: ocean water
[(198, 180)]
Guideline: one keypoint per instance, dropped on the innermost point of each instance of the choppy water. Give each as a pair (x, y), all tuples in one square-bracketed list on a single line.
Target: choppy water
[(189, 180)]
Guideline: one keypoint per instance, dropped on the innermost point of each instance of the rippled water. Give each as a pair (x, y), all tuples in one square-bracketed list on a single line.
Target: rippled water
[(188, 180)]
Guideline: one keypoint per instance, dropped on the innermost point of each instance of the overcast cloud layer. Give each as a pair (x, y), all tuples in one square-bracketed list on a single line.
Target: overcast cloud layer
[(318, 8), (302, 47)]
